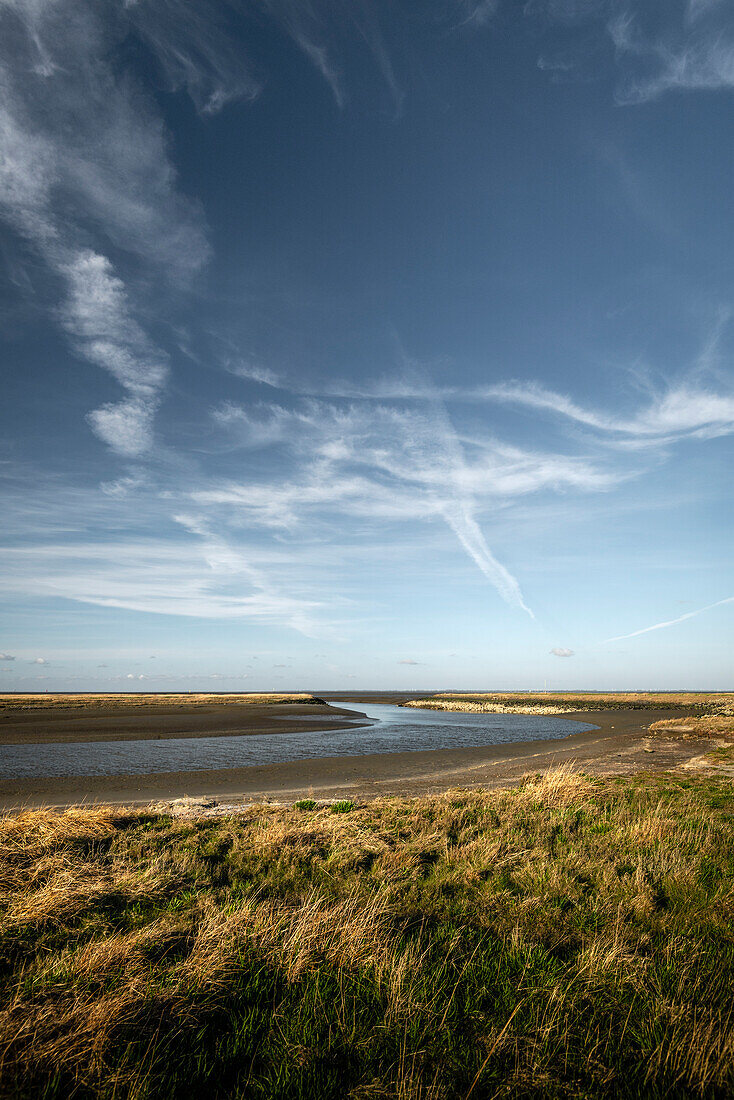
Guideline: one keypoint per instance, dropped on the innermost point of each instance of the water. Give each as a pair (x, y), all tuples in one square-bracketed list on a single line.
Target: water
[(395, 729)]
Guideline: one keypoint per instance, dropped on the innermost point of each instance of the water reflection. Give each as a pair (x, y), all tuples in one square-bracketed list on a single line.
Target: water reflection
[(395, 729)]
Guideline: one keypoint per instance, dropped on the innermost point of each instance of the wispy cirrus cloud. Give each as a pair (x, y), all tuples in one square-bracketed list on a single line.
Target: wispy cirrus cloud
[(477, 13), (144, 549), (85, 156), (322, 480), (323, 33), (383, 462), (86, 174), (682, 46), (691, 407), (386, 450), (189, 577), (200, 47), (690, 50), (682, 411)]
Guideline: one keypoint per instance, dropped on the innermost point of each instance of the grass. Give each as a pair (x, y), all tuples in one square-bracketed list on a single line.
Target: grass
[(569, 702), (706, 725), (572, 937), (716, 728), (12, 703)]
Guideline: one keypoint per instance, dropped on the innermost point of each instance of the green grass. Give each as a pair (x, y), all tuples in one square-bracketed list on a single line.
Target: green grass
[(570, 938)]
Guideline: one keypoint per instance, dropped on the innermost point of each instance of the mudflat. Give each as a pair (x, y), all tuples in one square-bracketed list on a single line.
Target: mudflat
[(55, 719), (622, 745)]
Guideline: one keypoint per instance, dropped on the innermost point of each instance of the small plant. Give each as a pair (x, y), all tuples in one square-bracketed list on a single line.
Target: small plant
[(343, 806), (305, 804)]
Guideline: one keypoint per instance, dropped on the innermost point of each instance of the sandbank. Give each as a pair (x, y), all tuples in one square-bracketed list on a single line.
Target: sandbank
[(143, 720)]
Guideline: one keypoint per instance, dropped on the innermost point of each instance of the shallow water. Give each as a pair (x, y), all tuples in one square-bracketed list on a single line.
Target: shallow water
[(395, 729)]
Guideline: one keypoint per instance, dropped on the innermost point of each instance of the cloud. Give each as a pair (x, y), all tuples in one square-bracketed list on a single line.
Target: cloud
[(658, 49), (686, 410), (88, 145), (380, 461), (560, 652), (253, 372), (334, 477), (478, 13), (199, 47), (86, 171), (325, 34), (6, 657), (669, 622), (39, 661), (97, 313), (200, 576), (124, 486), (259, 425), (126, 427), (692, 53), (85, 156)]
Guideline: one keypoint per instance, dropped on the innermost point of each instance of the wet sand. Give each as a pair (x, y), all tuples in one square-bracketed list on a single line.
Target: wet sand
[(621, 746), (162, 721)]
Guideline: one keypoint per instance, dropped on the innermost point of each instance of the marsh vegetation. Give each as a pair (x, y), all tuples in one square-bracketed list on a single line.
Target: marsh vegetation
[(570, 702), (570, 937), (12, 703)]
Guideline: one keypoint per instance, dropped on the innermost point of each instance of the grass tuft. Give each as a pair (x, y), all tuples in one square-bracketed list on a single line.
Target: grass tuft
[(571, 937)]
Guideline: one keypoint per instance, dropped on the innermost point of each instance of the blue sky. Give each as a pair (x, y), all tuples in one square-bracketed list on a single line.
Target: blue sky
[(367, 345)]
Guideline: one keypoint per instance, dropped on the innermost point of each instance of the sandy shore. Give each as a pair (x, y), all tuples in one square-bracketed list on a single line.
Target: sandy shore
[(620, 746)]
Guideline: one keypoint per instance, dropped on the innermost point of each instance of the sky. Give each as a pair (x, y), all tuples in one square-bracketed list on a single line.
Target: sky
[(366, 345)]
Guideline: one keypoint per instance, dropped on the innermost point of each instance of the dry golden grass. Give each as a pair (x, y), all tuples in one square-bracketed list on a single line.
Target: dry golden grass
[(11, 703), (470, 706), (707, 725), (572, 937), (569, 702)]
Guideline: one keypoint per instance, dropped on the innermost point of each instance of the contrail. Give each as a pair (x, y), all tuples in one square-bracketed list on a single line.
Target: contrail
[(434, 448), (466, 529), (669, 622)]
